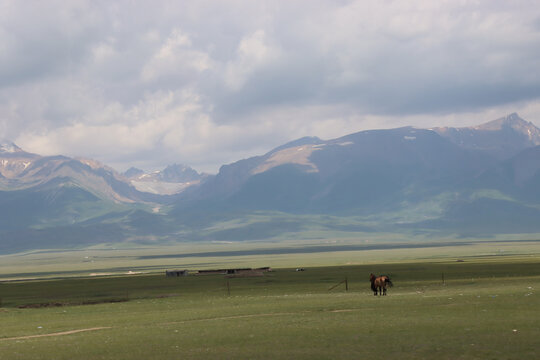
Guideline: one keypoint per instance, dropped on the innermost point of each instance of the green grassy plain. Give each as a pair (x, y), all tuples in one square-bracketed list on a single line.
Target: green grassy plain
[(487, 308), (119, 259)]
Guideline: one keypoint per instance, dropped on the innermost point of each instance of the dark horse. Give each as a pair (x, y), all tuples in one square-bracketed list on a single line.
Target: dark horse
[(378, 283)]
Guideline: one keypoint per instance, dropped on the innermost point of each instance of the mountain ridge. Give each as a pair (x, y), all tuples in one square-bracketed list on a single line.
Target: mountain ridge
[(502, 138), (473, 181)]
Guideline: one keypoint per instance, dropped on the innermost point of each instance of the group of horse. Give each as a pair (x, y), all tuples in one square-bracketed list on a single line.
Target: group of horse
[(379, 284)]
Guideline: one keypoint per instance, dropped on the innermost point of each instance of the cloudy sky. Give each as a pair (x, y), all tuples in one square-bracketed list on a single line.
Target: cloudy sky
[(151, 83)]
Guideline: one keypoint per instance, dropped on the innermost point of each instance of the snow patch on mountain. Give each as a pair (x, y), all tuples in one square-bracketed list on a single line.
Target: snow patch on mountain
[(161, 187), (7, 147), (172, 180)]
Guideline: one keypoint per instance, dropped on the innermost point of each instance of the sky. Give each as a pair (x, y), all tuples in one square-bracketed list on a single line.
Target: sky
[(206, 83)]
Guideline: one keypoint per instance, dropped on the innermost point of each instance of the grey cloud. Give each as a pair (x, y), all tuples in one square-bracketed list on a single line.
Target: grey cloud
[(43, 39), (70, 67), (424, 72)]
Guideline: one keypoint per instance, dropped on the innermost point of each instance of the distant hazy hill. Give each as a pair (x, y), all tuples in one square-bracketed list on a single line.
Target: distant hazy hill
[(60, 201), (475, 181)]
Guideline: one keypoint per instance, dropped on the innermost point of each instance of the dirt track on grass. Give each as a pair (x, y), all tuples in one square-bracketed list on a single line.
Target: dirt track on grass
[(175, 322), (253, 316), (55, 334), (227, 318)]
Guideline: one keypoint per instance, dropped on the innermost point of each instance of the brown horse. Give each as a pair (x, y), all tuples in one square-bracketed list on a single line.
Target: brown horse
[(378, 283)]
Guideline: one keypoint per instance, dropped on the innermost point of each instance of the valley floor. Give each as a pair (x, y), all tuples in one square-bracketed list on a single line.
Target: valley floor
[(475, 308), (132, 259)]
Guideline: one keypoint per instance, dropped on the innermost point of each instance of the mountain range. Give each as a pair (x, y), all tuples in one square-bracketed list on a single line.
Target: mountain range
[(473, 181)]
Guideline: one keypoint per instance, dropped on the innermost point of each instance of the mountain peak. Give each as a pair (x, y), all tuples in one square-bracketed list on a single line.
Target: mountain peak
[(503, 137), (510, 121), (179, 173), (514, 117), (133, 172), (9, 147)]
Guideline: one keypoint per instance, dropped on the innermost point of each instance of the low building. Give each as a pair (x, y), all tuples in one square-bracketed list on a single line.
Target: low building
[(234, 271), (176, 273)]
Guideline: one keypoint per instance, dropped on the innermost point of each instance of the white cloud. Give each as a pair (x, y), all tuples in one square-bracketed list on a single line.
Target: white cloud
[(176, 57), (254, 51), (116, 132), (104, 51)]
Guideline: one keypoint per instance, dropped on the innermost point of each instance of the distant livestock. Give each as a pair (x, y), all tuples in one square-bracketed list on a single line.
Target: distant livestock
[(379, 283)]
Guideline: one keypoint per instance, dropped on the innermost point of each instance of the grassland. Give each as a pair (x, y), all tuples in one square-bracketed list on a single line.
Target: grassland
[(486, 308), (372, 248)]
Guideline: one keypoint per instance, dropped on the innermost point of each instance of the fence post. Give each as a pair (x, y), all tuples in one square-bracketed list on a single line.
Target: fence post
[(228, 288), (339, 283)]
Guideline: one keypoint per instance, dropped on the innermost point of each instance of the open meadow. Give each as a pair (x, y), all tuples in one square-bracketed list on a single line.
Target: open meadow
[(481, 307)]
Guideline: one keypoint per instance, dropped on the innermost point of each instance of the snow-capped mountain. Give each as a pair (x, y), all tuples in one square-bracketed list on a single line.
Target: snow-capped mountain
[(172, 180), (22, 170), (7, 147)]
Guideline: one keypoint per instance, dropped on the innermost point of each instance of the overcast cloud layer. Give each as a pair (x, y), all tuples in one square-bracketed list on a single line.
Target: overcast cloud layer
[(146, 84)]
